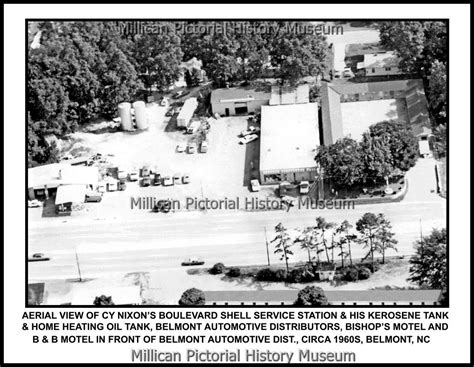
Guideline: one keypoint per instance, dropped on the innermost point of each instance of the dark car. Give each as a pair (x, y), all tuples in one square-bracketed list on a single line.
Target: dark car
[(122, 185), (162, 206), (192, 262), (146, 181), (93, 198), (157, 179), (38, 257)]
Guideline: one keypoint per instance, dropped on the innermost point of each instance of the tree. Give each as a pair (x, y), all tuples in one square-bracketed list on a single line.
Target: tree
[(283, 244), (322, 226), (343, 231), (429, 263), (385, 238), (103, 301), (341, 161), (158, 57), (440, 140), (307, 241), (386, 148), (437, 91), (369, 227), (192, 297), (311, 296)]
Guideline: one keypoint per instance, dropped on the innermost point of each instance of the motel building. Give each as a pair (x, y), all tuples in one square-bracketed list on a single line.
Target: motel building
[(67, 184)]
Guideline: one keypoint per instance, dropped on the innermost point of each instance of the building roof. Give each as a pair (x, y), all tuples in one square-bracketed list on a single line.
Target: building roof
[(70, 194), (55, 174), (379, 60), (240, 94), (191, 64), (128, 295), (289, 296), (289, 95), (289, 136)]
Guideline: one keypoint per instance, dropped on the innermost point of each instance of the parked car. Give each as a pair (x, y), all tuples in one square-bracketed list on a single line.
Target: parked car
[(34, 203), (304, 187), (250, 130), (122, 185), (162, 206), (347, 73), (177, 178), (38, 257), (247, 139), (146, 182), (167, 181), (145, 171), (191, 148), (254, 185), (122, 174), (192, 262), (93, 198), (204, 147), (133, 175), (186, 178), (181, 147), (165, 102), (337, 75), (170, 112), (157, 179)]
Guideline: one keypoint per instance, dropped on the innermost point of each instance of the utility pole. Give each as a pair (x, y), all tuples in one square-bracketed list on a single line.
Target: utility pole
[(266, 242), (78, 267), (421, 239)]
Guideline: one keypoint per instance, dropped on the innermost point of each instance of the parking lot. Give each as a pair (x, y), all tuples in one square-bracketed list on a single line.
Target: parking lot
[(224, 172)]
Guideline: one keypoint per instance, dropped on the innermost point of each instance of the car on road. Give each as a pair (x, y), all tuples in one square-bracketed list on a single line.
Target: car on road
[(146, 181), (34, 203), (249, 131), (304, 187), (181, 147), (192, 262), (247, 139), (186, 178), (191, 148), (133, 175), (38, 257), (162, 206), (167, 181), (93, 198), (337, 74), (254, 185), (157, 179)]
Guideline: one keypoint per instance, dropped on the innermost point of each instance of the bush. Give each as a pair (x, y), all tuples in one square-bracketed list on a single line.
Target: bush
[(351, 275), (233, 272), (266, 275), (364, 273), (192, 297), (280, 275), (218, 268), (311, 296), (295, 276)]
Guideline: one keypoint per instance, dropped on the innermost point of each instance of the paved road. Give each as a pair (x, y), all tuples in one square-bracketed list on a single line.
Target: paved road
[(163, 241)]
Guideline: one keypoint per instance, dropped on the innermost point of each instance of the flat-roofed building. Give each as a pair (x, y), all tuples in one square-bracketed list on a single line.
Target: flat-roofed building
[(289, 138), (239, 101)]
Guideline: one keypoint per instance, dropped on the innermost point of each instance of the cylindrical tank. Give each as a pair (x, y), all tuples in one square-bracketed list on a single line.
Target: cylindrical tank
[(140, 115), (125, 113)]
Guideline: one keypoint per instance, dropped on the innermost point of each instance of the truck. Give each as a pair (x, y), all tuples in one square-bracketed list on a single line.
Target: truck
[(187, 112)]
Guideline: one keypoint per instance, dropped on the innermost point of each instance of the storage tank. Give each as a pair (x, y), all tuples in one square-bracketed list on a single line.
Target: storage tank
[(125, 113), (140, 115)]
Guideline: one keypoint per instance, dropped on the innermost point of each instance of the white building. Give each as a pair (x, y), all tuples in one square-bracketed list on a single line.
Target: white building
[(380, 64)]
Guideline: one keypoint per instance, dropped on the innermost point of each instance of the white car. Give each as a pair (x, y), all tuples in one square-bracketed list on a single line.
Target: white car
[(347, 73), (250, 130), (304, 187), (34, 203), (247, 139), (122, 174), (168, 181), (133, 175), (255, 185)]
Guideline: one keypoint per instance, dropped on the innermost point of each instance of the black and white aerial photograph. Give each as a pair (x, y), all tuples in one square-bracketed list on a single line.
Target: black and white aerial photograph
[(180, 162)]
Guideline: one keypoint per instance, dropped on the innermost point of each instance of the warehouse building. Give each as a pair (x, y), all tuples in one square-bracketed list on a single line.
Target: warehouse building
[(289, 138)]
